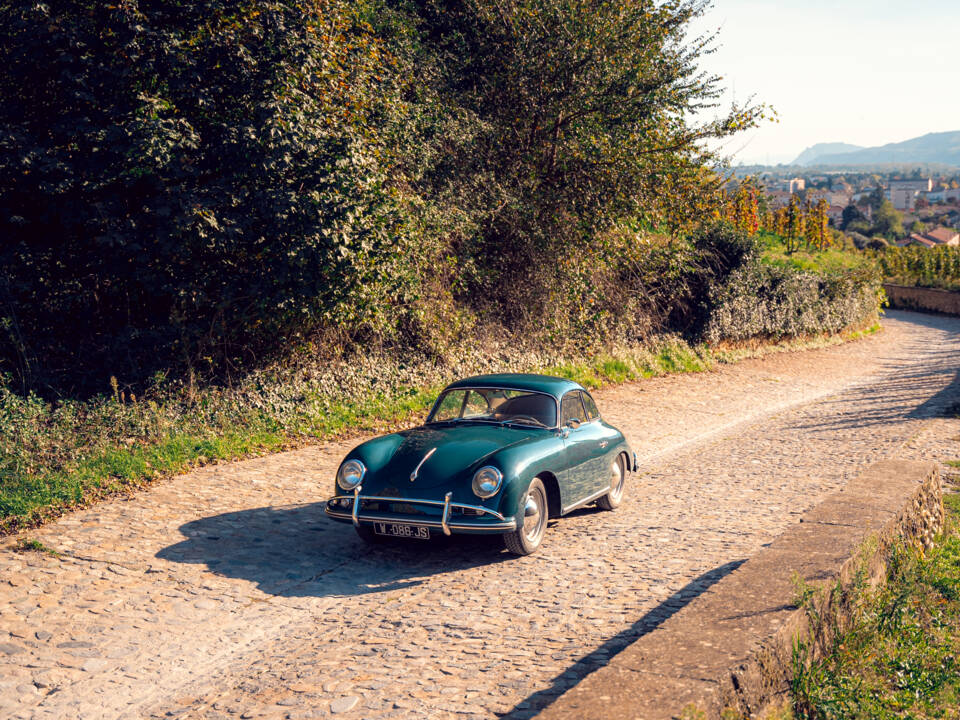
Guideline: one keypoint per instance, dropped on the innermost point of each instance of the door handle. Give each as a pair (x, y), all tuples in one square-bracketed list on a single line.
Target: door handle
[(604, 443)]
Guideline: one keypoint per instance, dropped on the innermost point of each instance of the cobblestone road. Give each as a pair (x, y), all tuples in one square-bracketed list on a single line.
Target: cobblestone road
[(226, 593)]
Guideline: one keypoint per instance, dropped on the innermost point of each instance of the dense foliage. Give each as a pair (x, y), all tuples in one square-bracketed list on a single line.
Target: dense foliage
[(203, 185), (766, 300), (937, 267), (180, 180)]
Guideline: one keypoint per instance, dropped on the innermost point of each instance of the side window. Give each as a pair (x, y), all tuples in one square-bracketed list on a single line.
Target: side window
[(590, 406), (449, 407), (571, 408), (477, 405)]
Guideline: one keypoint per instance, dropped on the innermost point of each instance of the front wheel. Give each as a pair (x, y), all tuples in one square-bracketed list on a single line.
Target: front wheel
[(534, 512), (618, 475)]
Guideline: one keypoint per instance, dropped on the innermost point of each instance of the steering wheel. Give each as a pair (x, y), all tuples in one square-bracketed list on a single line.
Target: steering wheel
[(515, 418)]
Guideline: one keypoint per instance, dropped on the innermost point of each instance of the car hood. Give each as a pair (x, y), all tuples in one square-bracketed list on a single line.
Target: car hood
[(456, 448)]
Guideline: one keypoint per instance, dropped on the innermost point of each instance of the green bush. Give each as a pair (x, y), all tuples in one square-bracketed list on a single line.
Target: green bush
[(201, 187), (762, 300)]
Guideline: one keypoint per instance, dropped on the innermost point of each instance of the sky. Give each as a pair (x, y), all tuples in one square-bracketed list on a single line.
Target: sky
[(854, 71)]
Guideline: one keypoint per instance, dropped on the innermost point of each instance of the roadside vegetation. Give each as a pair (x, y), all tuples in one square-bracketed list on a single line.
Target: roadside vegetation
[(901, 659), (230, 228), (54, 456), (925, 267)]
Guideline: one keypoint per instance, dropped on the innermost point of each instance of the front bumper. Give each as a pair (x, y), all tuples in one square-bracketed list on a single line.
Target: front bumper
[(453, 517)]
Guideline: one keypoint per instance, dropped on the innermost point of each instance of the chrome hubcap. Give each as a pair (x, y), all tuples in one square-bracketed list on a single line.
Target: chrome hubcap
[(616, 480), (533, 514)]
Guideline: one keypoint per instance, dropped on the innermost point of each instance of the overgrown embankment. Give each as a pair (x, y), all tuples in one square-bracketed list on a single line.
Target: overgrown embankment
[(900, 657), (54, 456), (214, 216)]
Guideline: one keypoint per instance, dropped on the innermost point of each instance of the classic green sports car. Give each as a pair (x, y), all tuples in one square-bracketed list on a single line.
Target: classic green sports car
[(498, 454)]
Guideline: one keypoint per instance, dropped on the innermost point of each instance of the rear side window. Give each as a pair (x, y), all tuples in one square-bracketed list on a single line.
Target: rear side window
[(590, 406), (571, 408)]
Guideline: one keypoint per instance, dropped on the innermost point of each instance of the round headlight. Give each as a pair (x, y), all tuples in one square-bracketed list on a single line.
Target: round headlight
[(351, 474), (487, 481)]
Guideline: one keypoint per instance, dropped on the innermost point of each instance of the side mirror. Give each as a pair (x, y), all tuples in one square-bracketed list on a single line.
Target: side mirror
[(573, 423)]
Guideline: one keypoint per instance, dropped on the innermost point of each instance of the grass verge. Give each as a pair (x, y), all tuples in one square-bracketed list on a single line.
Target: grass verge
[(56, 456), (901, 659), (831, 261)]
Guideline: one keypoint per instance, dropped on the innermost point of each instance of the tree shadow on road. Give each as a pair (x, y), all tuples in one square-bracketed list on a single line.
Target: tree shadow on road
[(601, 656), (914, 394), (297, 552)]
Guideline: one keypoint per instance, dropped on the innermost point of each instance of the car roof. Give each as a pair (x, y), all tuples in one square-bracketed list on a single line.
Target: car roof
[(520, 381)]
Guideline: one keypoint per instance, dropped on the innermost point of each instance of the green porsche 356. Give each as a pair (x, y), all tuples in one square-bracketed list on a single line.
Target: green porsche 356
[(498, 454)]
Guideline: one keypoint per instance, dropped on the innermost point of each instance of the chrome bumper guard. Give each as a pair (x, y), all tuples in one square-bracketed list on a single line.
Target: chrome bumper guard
[(502, 524)]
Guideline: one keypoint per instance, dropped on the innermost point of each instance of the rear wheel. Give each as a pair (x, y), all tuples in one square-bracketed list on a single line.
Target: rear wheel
[(533, 521), (618, 475)]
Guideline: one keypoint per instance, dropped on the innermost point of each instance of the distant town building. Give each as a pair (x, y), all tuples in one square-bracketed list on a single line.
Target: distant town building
[(835, 214), (778, 199), (944, 236), (944, 195), (793, 185), (937, 237), (903, 194), (903, 198), (916, 239)]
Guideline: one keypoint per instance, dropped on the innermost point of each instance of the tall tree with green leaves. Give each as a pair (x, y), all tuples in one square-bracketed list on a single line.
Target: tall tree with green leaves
[(887, 221), (589, 113)]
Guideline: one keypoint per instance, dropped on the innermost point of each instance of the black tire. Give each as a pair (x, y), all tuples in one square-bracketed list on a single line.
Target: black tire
[(618, 478), (527, 538), (367, 534)]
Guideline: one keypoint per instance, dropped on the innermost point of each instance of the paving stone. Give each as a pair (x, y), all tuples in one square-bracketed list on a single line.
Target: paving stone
[(344, 704), (234, 584)]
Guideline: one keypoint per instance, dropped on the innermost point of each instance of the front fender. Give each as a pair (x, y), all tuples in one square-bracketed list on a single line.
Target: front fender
[(520, 465)]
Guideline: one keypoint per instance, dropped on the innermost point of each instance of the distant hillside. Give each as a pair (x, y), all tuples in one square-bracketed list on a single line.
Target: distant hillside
[(812, 155), (933, 148)]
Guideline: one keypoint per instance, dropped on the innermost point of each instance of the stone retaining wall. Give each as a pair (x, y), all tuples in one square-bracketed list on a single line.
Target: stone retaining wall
[(903, 297), (732, 647)]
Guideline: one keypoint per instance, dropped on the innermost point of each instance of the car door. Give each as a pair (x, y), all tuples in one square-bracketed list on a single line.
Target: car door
[(600, 443), (579, 444)]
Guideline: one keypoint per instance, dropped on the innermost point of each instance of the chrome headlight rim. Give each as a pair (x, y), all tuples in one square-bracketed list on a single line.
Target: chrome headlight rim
[(487, 482), (352, 468)]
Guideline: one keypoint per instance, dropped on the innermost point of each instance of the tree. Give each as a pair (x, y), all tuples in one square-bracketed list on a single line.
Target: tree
[(795, 224), (195, 180), (887, 221), (205, 184), (851, 213), (820, 222), (586, 117)]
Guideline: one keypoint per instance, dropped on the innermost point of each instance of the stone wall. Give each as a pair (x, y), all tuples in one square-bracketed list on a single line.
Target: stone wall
[(903, 297), (731, 649)]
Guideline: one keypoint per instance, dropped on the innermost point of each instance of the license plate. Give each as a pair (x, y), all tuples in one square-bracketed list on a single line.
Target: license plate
[(417, 532)]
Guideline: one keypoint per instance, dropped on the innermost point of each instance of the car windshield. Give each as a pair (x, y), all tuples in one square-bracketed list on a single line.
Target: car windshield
[(502, 405)]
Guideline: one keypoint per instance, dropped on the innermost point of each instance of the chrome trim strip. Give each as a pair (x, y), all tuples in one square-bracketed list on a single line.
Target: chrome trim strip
[(438, 503), (356, 505), (588, 499), (446, 512), (416, 470), (504, 525)]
